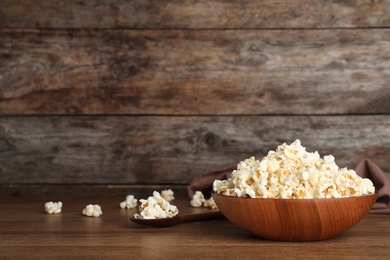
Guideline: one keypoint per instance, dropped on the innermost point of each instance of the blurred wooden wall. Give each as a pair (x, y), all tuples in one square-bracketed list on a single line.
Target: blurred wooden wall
[(150, 93)]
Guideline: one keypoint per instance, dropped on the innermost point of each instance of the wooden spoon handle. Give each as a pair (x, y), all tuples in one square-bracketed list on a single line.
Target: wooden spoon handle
[(201, 217)]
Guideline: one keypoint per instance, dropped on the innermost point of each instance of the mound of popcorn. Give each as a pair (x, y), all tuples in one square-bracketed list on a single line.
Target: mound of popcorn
[(291, 172), (129, 203), (156, 207)]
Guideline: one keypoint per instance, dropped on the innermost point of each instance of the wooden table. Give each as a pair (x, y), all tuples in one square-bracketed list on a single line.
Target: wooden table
[(27, 232)]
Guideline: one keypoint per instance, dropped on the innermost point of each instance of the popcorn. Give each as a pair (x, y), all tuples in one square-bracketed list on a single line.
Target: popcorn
[(291, 172), (92, 211), (210, 203), (167, 195), (129, 203), (223, 187), (156, 207), (197, 200), (53, 207)]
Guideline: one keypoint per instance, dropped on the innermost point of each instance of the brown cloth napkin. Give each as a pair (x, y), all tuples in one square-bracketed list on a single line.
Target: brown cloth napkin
[(366, 169), (381, 180)]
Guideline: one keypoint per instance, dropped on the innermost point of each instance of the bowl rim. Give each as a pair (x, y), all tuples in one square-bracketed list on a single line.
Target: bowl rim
[(296, 199)]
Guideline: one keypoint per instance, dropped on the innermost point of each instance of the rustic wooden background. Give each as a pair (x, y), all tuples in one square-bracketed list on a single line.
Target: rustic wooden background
[(113, 95)]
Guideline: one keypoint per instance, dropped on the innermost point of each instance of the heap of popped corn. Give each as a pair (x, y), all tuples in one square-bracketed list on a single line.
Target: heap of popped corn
[(291, 172), (156, 207)]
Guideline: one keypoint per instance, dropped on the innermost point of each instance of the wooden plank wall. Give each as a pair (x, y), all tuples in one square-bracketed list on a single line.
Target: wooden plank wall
[(137, 94)]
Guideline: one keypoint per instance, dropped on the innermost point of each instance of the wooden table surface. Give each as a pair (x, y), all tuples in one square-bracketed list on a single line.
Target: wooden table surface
[(27, 232)]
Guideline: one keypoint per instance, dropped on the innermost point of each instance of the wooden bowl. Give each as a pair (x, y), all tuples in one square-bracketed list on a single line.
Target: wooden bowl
[(295, 219)]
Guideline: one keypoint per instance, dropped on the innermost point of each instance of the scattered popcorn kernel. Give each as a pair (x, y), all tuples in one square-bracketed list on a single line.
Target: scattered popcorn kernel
[(129, 203), (93, 211), (292, 172), (197, 200), (210, 203), (168, 195), (53, 207), (156, 207)]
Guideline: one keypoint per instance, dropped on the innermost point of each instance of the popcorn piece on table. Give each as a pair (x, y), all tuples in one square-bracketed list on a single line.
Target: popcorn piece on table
[(156, 207), (53, 207), (291, 172), (129, 203), (198, 199), (168, 195), (210, 203), (92, 211)]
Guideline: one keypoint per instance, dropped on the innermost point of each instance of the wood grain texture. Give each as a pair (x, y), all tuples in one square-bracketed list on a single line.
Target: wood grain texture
[(28, 232), (203, 72), (169, 149), (95, 93), (194, 14), (66, 190)]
